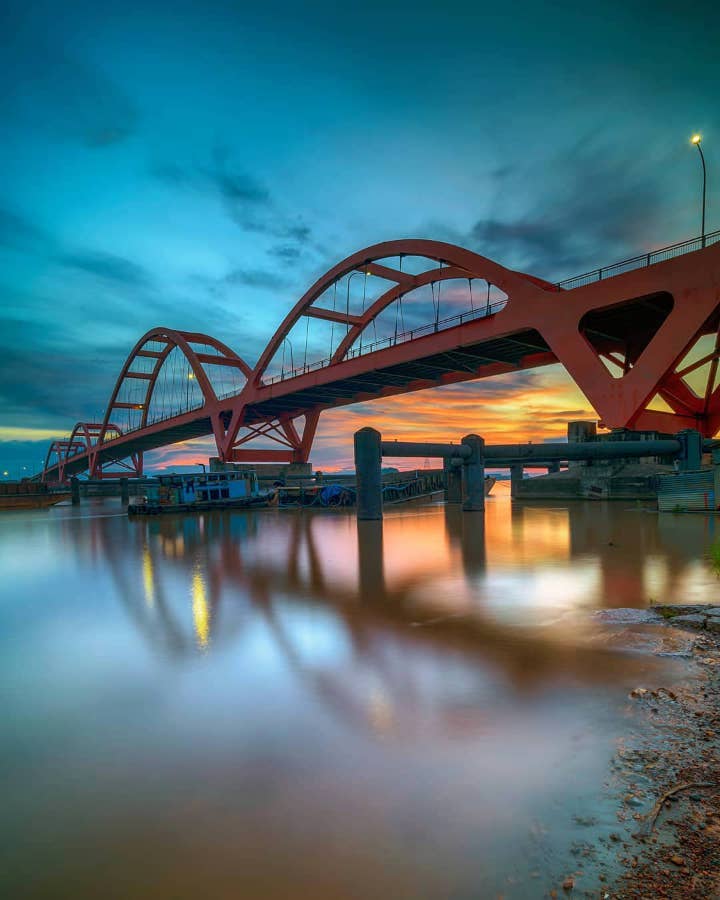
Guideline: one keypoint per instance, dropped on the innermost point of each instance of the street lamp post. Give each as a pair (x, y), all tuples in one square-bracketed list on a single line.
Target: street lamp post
[(697, 140)]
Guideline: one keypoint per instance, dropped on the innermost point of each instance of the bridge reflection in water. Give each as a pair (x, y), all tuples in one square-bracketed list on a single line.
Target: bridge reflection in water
[(506, 593), (271, 705)]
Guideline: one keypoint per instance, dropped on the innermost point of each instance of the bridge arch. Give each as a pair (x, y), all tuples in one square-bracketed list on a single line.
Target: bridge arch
[(454, 262), (61, 449), (90, 433), (163, 342)]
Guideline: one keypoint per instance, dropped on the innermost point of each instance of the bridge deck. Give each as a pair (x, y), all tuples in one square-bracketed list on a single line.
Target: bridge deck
[(617, 319)]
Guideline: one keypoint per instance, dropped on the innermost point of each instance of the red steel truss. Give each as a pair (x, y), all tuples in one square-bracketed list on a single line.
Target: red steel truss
[(624, 339)]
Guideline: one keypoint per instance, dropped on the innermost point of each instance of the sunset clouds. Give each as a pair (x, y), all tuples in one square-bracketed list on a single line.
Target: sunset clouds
[(197, 166)]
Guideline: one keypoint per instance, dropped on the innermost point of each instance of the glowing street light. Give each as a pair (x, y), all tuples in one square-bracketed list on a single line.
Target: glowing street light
[(190, 377), (696, 139)]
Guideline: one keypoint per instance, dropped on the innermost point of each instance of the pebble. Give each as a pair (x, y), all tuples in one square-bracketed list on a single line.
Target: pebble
[(694, 620)]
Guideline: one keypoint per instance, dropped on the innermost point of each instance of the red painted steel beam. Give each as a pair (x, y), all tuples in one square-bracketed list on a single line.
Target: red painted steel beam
[(261, 455), (331, 315), (385, 272)]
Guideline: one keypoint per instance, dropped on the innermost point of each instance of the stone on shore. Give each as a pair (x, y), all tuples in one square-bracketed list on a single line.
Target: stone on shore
[(670, 610), (694, 620)]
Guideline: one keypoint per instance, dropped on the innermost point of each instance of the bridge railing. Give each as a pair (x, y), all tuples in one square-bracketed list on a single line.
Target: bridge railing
[(639, 262), (401, 337)]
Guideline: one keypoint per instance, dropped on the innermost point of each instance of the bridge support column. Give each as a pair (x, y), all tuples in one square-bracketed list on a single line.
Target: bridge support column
[(124, 492), (516, 476), (580, 432), (553, 468), (691, 444), (474, 474), (74, 491), (453, 481), (368, 473)]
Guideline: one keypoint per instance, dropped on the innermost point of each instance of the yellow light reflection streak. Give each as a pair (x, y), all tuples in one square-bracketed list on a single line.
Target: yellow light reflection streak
[(200, 609), (148, 577)]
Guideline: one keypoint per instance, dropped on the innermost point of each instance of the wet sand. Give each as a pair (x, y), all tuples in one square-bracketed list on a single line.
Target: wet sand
[(664, 779)]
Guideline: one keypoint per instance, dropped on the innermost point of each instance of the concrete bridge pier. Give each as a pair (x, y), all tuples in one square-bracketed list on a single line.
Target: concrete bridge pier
[(75, 491), (124, 492), (369, 449), (368, 474), (453, 480), (474, 474), (516, 477)]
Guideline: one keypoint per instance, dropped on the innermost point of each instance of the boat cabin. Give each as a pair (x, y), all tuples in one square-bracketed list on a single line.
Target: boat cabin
[(203, 488)]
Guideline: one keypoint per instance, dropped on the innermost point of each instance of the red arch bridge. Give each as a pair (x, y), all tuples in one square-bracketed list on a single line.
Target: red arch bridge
[(640, 338)]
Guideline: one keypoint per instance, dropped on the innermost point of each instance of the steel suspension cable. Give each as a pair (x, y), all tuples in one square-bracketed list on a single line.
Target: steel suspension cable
[(307, 332), (437, 310), (332, 327)]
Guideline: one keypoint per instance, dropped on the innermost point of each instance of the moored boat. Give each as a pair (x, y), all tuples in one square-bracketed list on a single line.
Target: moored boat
[(29, 495), (198, 493)]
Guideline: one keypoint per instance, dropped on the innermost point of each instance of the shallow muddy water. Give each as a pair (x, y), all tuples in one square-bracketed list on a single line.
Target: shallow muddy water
[(280, 704)]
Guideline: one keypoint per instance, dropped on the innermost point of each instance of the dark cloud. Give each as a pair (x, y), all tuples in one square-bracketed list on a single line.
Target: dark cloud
[(19, 233), (300, 232), (246, 199), (285, 252), (108, 266), (47, 89), (239, 190), (258, 278), (589, 207), (49, 383)]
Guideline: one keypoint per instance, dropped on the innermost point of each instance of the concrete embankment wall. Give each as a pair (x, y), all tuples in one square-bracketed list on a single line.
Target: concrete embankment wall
[(632, 481)]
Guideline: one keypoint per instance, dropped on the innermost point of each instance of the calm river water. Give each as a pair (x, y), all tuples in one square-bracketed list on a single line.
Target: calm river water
[(283, 705)]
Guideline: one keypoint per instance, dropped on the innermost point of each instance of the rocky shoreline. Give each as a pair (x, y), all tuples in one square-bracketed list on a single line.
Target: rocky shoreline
[(666, 781)]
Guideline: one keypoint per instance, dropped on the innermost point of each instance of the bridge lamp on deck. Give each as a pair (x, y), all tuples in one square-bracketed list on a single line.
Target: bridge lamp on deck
[(696, 139)]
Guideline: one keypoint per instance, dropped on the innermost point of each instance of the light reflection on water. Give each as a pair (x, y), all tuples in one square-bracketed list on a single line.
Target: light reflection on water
[(272, 704)]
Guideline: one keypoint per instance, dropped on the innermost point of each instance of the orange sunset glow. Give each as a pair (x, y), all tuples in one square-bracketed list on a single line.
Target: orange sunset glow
[(517, 407)]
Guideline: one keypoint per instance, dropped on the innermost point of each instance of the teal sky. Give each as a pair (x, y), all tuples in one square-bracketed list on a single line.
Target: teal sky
[(197, 165)]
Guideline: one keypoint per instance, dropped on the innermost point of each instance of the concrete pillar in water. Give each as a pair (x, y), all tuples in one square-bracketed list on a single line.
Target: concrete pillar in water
[(368, 473), (74, 491), (453, 481), (474, 474), (371, 571), (472, 544), (516, 476), (124, 491), (692, 449), (577, 433), (553, 467)]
